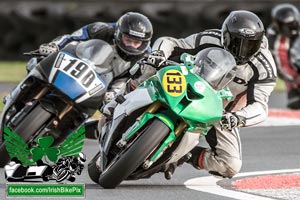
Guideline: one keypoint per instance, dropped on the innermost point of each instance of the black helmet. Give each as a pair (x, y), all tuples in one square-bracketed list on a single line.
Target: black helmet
[(242, 34), (285, 19), (134, 27)]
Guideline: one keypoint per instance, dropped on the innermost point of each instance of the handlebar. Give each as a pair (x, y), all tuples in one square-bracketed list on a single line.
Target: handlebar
[(34, 53)]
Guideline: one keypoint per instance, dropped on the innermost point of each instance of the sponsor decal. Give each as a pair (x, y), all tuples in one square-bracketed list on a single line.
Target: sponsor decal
[(247, 32), (136, 33), (199, 86)]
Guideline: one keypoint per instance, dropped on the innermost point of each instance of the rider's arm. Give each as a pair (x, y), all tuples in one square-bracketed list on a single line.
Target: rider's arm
[(168, 44), (192, 44), (97, 30), (259, 89)]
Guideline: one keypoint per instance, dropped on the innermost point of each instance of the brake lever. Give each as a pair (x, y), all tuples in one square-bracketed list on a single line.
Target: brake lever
[(34, 53)]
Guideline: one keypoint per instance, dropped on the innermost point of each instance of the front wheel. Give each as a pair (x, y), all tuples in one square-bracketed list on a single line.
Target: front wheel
[(26, 128), (130, 159), (93, 170)]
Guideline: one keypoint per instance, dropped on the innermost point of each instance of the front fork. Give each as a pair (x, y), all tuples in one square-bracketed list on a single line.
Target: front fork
[(142, 120)]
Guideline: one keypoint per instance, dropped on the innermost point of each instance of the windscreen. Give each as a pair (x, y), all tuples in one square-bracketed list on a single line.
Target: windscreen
[(96, 51), (216, 66)]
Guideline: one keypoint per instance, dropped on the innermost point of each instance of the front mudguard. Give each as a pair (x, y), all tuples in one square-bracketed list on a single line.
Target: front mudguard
[(142, 122)]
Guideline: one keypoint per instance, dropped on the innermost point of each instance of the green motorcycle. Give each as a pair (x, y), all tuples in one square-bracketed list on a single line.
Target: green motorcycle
[(162, 120)]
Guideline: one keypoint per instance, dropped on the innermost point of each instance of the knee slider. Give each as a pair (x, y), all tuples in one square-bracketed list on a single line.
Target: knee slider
[(232, 166)]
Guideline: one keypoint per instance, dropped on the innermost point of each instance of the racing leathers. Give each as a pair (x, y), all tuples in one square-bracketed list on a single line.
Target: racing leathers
[(251, 89), (286, 53)]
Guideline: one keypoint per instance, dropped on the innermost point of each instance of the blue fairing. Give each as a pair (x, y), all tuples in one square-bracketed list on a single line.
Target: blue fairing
[(68, 85)]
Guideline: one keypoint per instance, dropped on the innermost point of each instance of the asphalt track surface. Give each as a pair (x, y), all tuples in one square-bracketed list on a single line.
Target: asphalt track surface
[(271, 168)]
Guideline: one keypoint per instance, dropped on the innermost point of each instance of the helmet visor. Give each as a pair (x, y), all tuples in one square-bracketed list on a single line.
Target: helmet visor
[(243, 48), (132, 45), (288, 29)]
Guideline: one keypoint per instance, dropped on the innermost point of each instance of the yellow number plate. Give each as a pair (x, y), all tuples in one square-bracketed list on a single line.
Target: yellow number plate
[(174, 82)]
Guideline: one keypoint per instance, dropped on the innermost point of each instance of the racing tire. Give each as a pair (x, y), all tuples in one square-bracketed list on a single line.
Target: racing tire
[(93, 170), (28, 126), (132, 157)]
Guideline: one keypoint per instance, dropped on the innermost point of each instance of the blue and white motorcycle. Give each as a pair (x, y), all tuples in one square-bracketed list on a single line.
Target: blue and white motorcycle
[(59, 94)]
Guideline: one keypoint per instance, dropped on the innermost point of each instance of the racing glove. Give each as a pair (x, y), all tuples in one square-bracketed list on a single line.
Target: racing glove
[(48, 48), (155, 59), (108, 109), (231, 120)]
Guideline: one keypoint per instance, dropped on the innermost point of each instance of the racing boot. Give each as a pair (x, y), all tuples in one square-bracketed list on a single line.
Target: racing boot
[(169, 171), (197, 158), (194, 157), (197, 154)]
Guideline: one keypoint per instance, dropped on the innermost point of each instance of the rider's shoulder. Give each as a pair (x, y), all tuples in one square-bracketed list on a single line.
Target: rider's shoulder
[(263, 64), (211, 32), (209, 36), (101, 26)]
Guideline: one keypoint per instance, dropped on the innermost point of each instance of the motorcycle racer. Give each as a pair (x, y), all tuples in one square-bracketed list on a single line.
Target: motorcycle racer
[(130, 38), (283, 36), (243, 35)]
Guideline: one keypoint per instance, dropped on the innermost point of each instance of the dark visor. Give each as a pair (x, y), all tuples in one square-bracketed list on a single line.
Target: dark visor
[(243, 48)]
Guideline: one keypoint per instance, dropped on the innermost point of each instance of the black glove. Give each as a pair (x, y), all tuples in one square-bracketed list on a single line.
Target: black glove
[(230, 121), (155, 59)]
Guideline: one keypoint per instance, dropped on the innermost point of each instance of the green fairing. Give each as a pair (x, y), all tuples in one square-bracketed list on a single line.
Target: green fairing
[(206, 108), (199, 105)]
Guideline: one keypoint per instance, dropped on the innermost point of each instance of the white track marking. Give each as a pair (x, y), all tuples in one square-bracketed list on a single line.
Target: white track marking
[(279, 121), (208, 184)]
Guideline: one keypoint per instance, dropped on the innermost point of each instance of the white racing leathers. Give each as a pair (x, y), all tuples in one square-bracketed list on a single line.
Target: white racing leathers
[(251, 88)]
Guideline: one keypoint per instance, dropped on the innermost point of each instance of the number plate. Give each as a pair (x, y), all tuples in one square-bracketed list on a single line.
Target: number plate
[(174, 83), (81, 71)]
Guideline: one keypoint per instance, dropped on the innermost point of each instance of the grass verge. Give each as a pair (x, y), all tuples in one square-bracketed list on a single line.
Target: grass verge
[(12, 71)]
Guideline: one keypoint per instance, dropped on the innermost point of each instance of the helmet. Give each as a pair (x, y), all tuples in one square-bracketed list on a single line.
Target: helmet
[(285, 18), (242, 34), (133, 33), (217, 66)]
